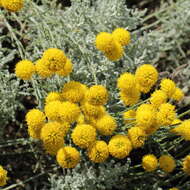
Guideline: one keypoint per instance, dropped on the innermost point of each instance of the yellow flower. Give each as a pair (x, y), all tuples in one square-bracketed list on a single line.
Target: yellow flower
[(69, 112), (149, 162), (53, 96), (3, 176), (52, 110), (42, 69), (146, 76), (126, 82), (106, 125), (119, 146), (177, 128), (73, 91), (80, 119), (97, 95), (129, 116), (52, 136), (122, 36), (24, 69), (157, 98), (68, 157), (186, 165), (168, 86), (151, 129), (116, 53), (83, 135), (67, 69), (54, 59), (167, 163), (137, 136), (166, 114), (173, 188), (93, 111), (12, 5), (98, 152), (178, 94), (131, 98)]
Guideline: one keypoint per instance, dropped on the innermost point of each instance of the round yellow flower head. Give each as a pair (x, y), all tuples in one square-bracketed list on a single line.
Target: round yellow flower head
[(146, 76), (24, 69), (98, 152), (52, 136), (54, 59), (68, 157), (168, 86), (126, 82), (53, 96), (73, 91), (129, 116), (67, 69), (83, 135), (106, 125), (42, 69), (166, 114), (119, 146), (52, 110), (105, 42), (35, 120), (116, 53), (167, 163), (130, 99), (12, 5), (97, 95), (122, 36), (93, 111), (3, 176), (173, 188), (186, 165), (150, 162), (178, 94), (69, 112), (137, 136), (157, 98)]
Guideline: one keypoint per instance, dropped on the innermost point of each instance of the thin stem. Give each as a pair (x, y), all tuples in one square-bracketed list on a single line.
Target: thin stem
[(183, 114)]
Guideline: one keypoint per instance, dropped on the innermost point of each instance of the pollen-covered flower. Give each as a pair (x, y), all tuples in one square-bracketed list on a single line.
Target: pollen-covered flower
[(137, 136), (119, 146), (186, 165), (150, 162), (24, 69), (126, 82), (93, 111), (69, 112), (52, 136), (12, 5), (168, 86), (42, 69), (146, 76), (98, 152), (178, 94), (52, 110), (73, 91), (129, 116), (3, 176), (122, 36), (166, 114), (53, 96), (54, 59), (83, 135), (67, 69), (157, 98), (97, 95), (106, 125), (68, 157), (167, 163)]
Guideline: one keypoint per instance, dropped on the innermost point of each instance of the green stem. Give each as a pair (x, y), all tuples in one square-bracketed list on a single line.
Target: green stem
[(183, 114)]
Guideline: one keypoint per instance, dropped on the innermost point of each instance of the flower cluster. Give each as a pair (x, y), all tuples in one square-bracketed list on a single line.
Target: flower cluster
[(12, 5), (53, 61), (112, 44)]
